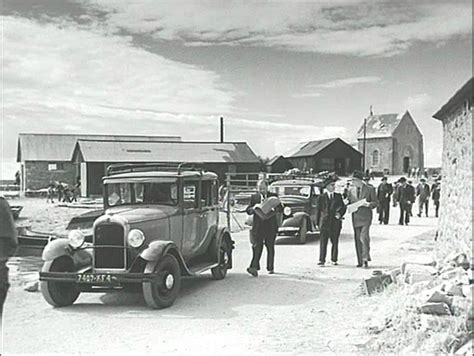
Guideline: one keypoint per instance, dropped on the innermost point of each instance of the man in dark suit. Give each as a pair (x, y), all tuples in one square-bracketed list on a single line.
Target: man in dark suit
[(362, 217), (423, 193), (330, 211), (8, 245), (263, 231), (436, 195), (384, 191), (405, 197)]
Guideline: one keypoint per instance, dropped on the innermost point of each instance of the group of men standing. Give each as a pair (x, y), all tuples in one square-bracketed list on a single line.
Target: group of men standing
[(405, 195), (331, 208)]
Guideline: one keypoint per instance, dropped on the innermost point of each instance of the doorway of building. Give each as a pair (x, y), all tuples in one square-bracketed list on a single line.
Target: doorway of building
[(406, 164), (339, 166)]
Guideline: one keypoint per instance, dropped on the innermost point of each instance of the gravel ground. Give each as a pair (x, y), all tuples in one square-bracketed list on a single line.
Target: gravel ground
[(302, 309)]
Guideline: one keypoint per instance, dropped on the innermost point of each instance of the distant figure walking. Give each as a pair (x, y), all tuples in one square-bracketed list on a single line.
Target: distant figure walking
[(17, 178), (330, 212), (362, 218), (8, 245), (404, 196), (423, 192), (50, 193), (384, 193), (436, 195), (263, 231)]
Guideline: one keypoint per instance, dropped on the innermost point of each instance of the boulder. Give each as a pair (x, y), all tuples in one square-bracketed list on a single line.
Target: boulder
[(418, 260), (453, 288), (439, 308), (467, 349), (418, 277), (413, 273), (31, 286), (440, 297), (435, 323), (376, 283), (418, 287), (394, 273), (461, 306), (468, 290), (462, 261), (457, 274)]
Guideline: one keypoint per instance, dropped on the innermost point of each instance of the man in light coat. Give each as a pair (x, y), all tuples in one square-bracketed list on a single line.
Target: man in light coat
[(362, 217)]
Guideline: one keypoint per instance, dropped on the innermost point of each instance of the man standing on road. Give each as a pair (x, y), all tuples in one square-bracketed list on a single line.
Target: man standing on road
[(423, 194), (330, 211), (436, 195), (362, 217), (405, 196), (263, 231), (8, 245), (384, 191)]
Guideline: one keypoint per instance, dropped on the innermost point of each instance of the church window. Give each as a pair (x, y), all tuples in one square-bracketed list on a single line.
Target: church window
[(375, 157)]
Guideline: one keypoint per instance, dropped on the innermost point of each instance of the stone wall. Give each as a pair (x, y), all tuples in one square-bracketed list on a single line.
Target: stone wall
[(407, 137), (456, 216), (385, 148), (37, 175)]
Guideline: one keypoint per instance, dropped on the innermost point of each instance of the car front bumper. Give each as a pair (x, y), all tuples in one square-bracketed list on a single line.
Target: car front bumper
[(97, 279)]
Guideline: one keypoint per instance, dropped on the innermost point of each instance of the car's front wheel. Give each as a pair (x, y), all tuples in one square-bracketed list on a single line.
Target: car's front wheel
[(59, 294), (303, 232), (220, 271), (163, 290)]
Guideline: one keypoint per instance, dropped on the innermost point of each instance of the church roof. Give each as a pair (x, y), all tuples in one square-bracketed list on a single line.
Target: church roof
[(380, 125)]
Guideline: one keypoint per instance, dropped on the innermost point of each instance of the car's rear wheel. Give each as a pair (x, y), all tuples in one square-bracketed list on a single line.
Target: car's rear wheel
[(303, 232), (163, 290), (59, 294), (220, 271)]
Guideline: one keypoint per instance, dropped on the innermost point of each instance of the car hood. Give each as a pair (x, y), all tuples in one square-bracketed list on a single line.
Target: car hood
[(133, 214), (293, 200)]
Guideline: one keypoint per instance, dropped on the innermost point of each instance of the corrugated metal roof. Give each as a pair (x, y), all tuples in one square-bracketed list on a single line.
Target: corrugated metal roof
[(208, 152), (313, 147), (464, 93), (380, 125), (59, 147)]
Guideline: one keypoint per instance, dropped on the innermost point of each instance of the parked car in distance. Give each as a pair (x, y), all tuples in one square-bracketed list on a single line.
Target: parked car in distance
[(299, 197), (159, 225)]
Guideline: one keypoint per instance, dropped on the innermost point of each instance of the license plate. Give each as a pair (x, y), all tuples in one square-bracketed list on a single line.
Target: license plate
[(94, 278)]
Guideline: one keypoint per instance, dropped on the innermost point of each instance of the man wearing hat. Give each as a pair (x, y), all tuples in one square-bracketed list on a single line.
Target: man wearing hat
[(330, 210), (405, 196), (436, 195), (362, 217), (423, 193), (384, 191)]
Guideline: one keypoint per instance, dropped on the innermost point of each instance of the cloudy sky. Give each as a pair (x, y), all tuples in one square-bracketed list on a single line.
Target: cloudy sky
[(279, 72)]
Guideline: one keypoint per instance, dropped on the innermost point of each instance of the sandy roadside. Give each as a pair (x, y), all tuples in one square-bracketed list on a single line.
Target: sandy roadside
[(301, 310)]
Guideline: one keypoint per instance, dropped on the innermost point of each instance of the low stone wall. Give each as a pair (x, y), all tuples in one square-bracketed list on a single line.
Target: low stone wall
[(456, 216)]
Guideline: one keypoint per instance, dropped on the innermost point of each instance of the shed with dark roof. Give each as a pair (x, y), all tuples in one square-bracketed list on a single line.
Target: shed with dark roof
[(334, 155), (393, 143), (46, 158), (278, 164), (93, 157)]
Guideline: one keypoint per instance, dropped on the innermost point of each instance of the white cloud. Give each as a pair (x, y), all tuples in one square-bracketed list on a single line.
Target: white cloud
[(352, 28), (418, 103), (347, 82)]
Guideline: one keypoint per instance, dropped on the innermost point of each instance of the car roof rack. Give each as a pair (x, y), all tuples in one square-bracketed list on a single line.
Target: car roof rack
[(151, 167), (313, 177)]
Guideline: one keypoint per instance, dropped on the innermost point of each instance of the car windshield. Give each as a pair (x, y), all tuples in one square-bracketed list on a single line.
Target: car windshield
[(294, 190), (141, 193)]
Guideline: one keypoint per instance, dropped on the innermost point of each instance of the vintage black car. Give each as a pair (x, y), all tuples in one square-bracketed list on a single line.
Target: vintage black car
[(158, 226), (299, 197)]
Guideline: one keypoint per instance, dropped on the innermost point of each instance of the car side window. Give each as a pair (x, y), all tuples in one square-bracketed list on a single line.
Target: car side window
[(190, 195), (206, 193)]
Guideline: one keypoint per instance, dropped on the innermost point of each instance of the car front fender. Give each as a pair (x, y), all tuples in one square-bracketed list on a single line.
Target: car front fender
[(60, 247), (159, 248), (295, 220)]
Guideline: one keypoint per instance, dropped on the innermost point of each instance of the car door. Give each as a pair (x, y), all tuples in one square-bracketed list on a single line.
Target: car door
[(208, 214), (190, 208)]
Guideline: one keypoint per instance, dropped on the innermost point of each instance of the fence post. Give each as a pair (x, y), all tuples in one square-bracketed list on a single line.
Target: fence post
[(228, 201)]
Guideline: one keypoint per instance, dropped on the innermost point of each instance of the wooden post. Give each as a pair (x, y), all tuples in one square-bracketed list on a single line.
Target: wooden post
[(228, 201)]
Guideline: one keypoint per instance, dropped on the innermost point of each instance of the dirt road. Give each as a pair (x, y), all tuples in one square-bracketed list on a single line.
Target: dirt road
[(302, 309)]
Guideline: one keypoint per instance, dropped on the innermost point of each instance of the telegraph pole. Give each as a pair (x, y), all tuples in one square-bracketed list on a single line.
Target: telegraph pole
[(364, 139)]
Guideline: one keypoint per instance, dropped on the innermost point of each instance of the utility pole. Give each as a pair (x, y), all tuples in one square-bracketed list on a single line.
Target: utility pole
[(222, 129), (364, 139)]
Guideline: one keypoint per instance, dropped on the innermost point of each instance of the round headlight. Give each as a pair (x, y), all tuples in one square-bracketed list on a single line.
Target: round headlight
[(287, 211), (76, 238), (135, 238)]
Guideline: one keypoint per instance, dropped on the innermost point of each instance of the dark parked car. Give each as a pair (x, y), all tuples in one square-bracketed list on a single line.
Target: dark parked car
[(299, 197), (158, 226)]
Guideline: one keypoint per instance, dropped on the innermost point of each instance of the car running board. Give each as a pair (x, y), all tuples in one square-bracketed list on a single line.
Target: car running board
[(201, 267)]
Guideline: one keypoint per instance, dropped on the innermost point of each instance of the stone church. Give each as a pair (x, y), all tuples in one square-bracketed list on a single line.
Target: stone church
[(394, 143)]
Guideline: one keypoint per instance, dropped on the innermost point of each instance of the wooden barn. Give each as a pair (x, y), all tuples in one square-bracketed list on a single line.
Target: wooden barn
[(334, 155), (93, 156)]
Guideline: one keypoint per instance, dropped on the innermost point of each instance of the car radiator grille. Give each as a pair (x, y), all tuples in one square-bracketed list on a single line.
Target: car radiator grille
[(109, 247)]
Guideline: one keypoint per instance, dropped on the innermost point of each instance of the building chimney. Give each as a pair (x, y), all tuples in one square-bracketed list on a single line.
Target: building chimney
[(222, 129)]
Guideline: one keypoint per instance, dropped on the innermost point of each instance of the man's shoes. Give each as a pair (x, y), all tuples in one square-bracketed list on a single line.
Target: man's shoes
[(271, 272), (385, 223), (320, 263), (419, 215), (334, 263), (252, 271), (366, 264), (400, 223), (359, 265)]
